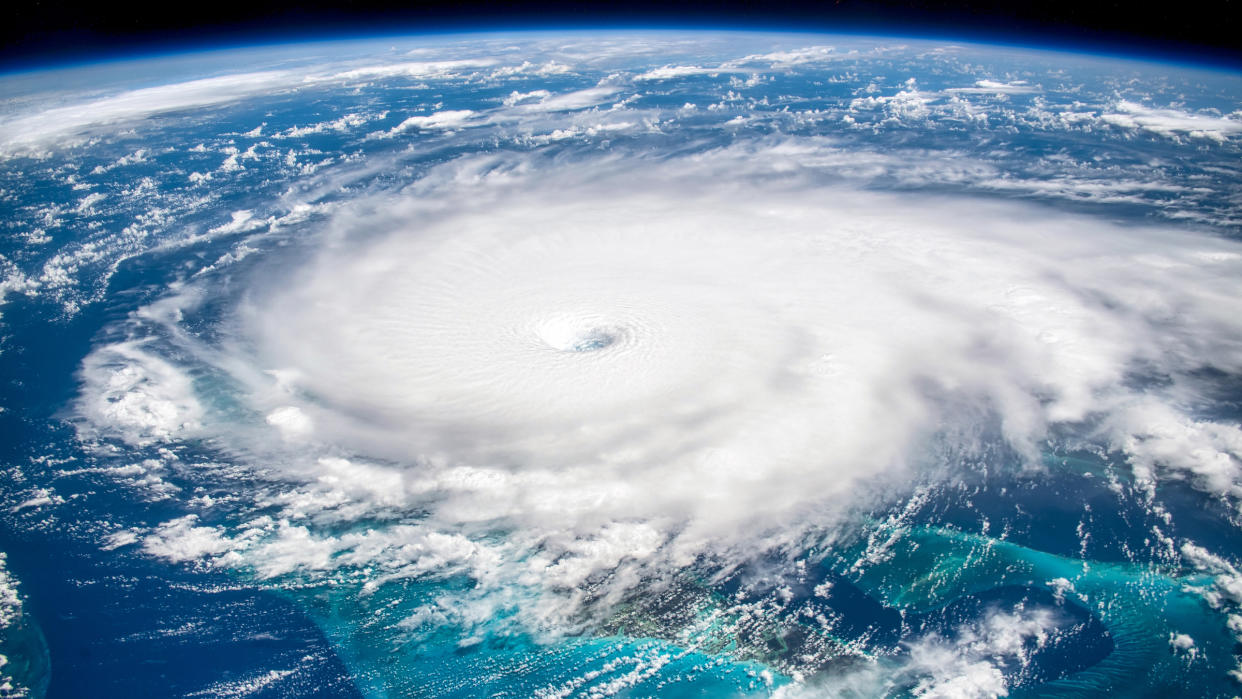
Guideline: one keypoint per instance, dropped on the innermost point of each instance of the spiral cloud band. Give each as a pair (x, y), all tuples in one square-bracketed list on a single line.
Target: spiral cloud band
[(556, 348)]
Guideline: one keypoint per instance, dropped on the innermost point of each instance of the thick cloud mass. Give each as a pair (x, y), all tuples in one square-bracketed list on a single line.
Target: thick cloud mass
[(563, 349)]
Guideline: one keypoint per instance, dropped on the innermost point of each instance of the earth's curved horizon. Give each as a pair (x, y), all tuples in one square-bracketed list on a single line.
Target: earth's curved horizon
[(621, 363)]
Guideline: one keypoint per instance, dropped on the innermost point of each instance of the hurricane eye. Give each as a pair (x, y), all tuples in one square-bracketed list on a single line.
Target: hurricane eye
[(566, 336), (592, 341)]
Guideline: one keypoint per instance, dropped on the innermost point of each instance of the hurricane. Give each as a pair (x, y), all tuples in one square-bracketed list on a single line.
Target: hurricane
[(641, 366)]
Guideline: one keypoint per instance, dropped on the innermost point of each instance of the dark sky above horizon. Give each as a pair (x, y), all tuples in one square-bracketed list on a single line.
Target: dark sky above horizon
[(43, 31)]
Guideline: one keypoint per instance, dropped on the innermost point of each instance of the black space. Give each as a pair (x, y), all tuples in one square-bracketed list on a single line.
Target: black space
[(53, 31)]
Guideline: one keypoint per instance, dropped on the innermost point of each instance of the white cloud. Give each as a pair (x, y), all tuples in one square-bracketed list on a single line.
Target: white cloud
[(245, 687), (1172, 122), (909, 104), (996, 87), (291, 421), (34, 129), (527, 68), (14, 281), (181, 540), (10, 602), (967, 667), (345, 123), (415, 69), (26, 131), (137, 396), (516, 97), (980, 659), (138, 156), (568, 101), (673, 72), (793, 57), (88, 202), (1158, 439), (445, 120), (242, 221), (11, 614)]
